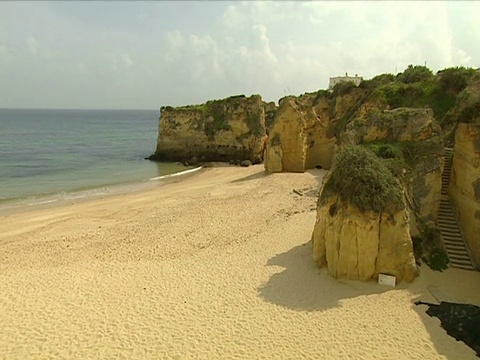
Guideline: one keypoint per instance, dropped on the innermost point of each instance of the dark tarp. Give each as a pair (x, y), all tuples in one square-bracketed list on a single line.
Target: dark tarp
[(461, 321)]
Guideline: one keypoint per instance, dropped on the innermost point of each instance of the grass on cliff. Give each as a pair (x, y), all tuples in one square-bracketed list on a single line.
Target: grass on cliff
[(418, 87), (467, 109), (361, 178), (214, 112)]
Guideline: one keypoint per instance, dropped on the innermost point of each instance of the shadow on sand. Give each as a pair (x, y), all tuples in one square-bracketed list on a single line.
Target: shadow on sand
[(445, 313), (302, 286), (258, 175)]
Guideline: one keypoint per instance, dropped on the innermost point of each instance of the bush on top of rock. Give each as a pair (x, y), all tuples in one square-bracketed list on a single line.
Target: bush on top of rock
[(360, 178)]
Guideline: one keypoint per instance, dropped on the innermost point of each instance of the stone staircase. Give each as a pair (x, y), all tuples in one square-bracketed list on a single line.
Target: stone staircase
[(447, 222)]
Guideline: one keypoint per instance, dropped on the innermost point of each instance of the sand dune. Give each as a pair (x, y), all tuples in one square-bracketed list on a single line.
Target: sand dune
[(217, 265)]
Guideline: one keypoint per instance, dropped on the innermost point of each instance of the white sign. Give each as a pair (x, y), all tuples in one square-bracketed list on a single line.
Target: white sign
[(386, 280)]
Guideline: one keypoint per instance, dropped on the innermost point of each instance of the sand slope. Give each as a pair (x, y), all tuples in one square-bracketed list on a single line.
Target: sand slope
[(217, 265)]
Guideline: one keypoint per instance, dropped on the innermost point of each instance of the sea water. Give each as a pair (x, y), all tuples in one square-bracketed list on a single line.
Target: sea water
[(46, 155)]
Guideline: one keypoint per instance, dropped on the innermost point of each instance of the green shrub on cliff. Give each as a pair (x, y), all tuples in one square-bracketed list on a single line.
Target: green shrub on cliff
[(343, 87), (385, 150), (429, 249), (398, 94), (417, 87), (455, 79), (377, 81), (467, 107), (415, 74), (363, 179), (214, 115)]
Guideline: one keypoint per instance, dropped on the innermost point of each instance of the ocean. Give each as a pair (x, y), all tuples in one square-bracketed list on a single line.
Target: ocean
[(50, 155)]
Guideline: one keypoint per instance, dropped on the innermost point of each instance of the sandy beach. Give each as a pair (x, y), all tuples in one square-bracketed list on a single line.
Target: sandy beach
[(217, 265)]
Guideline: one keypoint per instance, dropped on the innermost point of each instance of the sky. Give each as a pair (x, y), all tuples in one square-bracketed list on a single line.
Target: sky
[(144, 55)]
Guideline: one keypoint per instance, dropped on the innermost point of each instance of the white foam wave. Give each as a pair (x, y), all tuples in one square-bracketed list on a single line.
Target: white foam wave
[(176, 174)]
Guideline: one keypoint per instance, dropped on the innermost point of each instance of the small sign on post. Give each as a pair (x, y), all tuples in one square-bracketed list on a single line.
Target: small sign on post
[(388, 280)]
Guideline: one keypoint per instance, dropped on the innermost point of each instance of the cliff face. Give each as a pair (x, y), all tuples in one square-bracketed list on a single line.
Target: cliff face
[(286, 142), (319, 130), (307, 132), (417, 133), (359, 246), (303, 131), (220, 130), (464, 187), (401, 124)]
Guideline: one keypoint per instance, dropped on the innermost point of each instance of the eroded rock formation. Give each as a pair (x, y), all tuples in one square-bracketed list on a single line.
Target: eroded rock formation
[(303, 131), (360, 245), (220, 130), (362, 226), (286, 144)]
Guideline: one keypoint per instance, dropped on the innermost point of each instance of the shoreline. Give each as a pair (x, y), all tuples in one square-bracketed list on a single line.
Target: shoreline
[(32, 203), (216, 265)]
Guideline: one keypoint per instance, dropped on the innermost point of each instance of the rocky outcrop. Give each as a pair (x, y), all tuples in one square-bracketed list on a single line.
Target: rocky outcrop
[(286, 144), (303, 131), (416, 133), (300, 136), (362, 227), (360, 245), (232, 129), (398, 125), (464, 189), (320, 135)]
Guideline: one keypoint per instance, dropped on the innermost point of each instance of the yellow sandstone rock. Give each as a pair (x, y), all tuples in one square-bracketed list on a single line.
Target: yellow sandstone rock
[(220, 130), (359, 246), (464, 187)]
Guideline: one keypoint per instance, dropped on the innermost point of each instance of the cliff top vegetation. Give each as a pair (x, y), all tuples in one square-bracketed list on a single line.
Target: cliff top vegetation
[(418, 87), (467, 109)]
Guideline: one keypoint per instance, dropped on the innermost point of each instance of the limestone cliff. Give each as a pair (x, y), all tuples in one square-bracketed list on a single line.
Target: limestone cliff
[(362, 227), (398, 125), (286, 143), (304, 128), (326, 114), (417, 135), (220, 130), (465, 184), (464, 189), (359, 246), (426, 180), (319, 129)]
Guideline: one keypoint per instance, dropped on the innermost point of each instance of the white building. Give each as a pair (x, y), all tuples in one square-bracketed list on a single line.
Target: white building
[(335, 80)]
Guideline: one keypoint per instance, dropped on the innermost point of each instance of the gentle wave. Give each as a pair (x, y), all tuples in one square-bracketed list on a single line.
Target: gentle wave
[(77, 194), (52, 198), (48, 151), (176, 174), (7, 205)]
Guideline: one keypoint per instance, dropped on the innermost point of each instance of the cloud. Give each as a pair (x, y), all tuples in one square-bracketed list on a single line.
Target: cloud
[(142, 56), (122, 63), (32, 45)]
